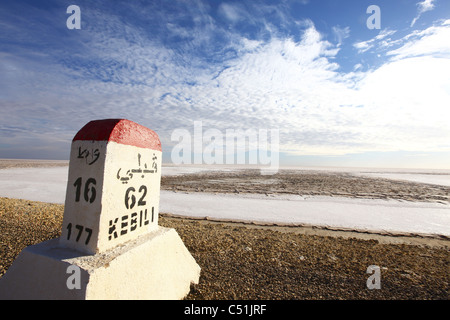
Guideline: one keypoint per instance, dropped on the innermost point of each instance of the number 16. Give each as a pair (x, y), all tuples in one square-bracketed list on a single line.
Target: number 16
[(87, 188)]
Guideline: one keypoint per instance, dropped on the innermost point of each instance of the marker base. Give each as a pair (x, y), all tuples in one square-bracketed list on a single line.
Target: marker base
[(153, 266)]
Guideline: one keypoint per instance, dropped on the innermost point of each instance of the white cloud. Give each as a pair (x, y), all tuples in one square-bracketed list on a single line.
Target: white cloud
[(232, 12), (406, 101), (424, 6), (432, 41), (341, 33), (378, 40), (407, 98), (357, 67)]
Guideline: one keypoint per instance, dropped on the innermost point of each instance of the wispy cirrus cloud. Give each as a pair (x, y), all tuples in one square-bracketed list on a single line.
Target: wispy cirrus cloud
[(429, 42), (382, 39), (341, 33), (423, 6)]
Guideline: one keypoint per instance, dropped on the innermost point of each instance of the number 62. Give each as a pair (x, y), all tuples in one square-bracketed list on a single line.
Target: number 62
[(130, 196)]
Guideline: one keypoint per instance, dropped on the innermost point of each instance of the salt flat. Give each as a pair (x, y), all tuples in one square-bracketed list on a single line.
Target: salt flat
[(356, 214), (430, 178), (49, 185), (37, 184)]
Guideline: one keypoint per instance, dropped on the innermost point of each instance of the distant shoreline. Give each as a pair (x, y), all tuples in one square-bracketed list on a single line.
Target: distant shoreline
[(428, 176), (31, 163), (17, 163)]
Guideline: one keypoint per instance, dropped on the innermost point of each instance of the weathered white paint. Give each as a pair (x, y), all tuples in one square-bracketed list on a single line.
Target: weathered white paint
[(107, 215)]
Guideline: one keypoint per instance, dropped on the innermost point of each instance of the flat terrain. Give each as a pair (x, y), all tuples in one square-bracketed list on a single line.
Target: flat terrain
[(23, 163), (251, 262), (309, 183)]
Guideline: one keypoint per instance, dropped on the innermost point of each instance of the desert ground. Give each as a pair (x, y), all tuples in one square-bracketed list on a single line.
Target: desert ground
[(260, 261)]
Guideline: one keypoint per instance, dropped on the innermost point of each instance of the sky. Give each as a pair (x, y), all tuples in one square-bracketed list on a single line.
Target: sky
[(343, 85)]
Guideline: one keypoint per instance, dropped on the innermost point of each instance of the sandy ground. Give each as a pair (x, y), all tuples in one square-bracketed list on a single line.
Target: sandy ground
[(250, 261), (23, 163)]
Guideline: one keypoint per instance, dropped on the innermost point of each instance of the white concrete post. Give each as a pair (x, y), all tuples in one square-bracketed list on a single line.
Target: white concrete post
[(111, 246), (113, 187)]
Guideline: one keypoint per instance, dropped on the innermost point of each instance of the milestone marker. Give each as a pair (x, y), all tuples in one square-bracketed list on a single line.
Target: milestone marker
[(111, 246), (113, 186)]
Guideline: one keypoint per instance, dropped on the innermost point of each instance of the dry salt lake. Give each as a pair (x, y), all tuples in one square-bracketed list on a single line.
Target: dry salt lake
[(47, 182)]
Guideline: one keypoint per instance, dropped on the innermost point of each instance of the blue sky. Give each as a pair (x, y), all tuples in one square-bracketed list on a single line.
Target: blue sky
[(338, 92)]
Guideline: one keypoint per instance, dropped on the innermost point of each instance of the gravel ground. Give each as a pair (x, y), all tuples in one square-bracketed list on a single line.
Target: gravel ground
[(249, 262)]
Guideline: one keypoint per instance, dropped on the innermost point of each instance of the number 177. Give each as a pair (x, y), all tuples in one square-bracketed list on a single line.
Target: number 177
[(80, 231)]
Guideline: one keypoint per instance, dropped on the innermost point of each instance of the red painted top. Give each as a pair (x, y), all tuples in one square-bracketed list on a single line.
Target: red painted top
[(121, 131)]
